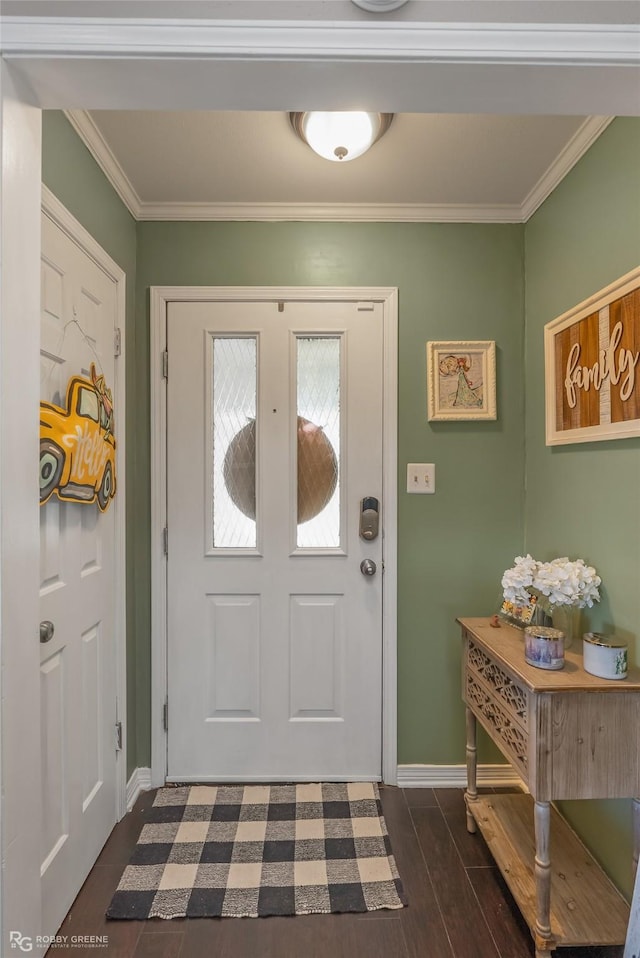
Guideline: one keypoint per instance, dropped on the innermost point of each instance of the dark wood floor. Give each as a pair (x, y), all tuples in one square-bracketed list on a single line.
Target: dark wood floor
[(459, 906)]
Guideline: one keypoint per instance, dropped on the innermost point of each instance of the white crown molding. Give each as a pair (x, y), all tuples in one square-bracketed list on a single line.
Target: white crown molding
[(92, 138), (455, 776), (332, 213), (100, 150), (470, 43), (577, 146)]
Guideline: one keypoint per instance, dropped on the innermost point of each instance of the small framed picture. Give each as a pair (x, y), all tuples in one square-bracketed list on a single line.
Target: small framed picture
[(519, 615), (461, 380)]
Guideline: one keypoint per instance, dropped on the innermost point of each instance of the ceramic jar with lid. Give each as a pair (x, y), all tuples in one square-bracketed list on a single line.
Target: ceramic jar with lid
[(604, 655)]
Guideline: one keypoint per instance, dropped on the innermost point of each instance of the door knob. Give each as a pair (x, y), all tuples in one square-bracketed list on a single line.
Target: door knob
[(46, 631), (368, 567)]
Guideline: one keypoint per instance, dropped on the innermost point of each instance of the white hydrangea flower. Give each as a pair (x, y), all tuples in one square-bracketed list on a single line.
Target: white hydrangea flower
[(561, 582), (568, 583), (516, 581)]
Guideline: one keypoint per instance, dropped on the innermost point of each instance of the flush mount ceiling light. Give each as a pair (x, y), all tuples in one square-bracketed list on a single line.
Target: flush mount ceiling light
[(340, 136), (379, 6)]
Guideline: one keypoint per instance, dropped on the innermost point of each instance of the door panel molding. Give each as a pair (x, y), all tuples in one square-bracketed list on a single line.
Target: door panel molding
[(160, 298)]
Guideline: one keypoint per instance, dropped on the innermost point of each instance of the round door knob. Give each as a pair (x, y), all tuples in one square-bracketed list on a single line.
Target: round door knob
[(368, 567), (46, 631)]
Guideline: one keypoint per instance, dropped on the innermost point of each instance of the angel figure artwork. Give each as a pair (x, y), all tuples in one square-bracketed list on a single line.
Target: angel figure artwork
[(461, 380), (468, 394)]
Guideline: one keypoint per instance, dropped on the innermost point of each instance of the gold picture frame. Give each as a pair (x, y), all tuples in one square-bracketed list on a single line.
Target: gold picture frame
[(461, 380)]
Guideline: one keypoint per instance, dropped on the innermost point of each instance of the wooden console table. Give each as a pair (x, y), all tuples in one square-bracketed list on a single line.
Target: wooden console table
[(568, 735)]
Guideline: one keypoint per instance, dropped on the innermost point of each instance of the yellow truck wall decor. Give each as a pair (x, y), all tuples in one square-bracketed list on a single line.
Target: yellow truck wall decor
[(77, 445)]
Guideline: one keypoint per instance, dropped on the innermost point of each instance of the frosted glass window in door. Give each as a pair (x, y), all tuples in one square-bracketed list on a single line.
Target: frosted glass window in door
[(318, 442), (233, 417)]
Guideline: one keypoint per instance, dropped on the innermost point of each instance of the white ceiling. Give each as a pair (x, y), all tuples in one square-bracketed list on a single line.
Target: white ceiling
[(495, 100), (476, 166), (195, 157)]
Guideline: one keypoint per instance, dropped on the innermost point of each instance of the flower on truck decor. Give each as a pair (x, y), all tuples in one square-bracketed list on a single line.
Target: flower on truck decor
[(551, 584)]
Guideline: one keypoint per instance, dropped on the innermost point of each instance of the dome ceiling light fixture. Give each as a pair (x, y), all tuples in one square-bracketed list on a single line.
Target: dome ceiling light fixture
[(379, 6), (340, 136)]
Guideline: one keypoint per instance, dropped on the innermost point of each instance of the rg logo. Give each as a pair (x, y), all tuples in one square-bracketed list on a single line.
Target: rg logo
[(18, 940)]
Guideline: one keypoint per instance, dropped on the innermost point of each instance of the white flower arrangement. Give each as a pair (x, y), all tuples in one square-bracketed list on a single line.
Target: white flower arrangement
[(560, 582)]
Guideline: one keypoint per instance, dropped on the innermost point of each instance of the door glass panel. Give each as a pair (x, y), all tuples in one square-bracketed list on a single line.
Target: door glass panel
[(234, 442), (318, 429)]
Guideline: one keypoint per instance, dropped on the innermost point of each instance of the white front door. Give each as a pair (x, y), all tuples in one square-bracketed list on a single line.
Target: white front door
[(77, 590), (274, 631)]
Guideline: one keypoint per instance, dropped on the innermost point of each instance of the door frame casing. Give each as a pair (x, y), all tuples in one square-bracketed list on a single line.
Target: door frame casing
[(160, 297), (65, 221)]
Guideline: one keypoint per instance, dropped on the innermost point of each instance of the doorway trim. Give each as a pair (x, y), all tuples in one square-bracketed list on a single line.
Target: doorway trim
[(160, 297), (61, 217)]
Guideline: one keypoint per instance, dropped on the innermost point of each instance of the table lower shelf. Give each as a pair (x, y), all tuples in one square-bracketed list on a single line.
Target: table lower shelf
[(586, 908)]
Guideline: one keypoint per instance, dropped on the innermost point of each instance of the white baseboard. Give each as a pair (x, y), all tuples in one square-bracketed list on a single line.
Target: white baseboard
[(409, 776), (455, 776), (140, 781)]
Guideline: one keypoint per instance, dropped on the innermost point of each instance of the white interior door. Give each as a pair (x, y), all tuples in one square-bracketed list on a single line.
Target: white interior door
[(274, 632), (77, 593)]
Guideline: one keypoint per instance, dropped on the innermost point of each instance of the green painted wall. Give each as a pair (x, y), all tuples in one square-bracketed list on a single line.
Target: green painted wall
[(584, 499), (455, 282), (71, 173)]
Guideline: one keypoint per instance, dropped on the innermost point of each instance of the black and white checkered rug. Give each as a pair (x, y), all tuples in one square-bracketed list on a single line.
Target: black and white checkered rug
[(257, 850)]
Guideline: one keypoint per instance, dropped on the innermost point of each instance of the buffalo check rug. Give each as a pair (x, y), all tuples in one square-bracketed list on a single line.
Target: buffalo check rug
[(257, 850)]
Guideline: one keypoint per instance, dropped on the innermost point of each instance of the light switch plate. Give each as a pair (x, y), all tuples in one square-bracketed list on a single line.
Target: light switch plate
[(421, 477)]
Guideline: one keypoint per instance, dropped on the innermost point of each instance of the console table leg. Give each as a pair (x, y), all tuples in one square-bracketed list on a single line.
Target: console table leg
[(471, 793), (542, 819), (636, 834)]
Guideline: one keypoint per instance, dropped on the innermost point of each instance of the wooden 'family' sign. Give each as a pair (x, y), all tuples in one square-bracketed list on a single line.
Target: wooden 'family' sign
[(592, 368)]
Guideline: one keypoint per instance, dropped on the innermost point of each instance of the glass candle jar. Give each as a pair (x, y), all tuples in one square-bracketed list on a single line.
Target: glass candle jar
[(544, 647)]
